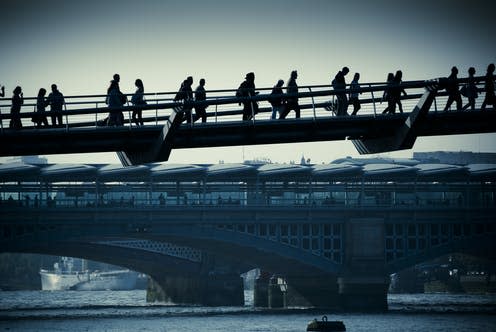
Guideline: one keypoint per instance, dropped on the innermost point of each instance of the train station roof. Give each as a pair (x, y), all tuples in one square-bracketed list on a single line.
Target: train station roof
[(117, 173), (333, 172), (68, 172)]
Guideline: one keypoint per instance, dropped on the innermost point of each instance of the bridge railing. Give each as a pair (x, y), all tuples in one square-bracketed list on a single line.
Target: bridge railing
[(173, 202), (316, 102), (32, 195)]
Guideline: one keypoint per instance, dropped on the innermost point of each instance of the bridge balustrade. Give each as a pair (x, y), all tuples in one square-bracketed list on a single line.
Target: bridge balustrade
[(241, 195), (316, 101)]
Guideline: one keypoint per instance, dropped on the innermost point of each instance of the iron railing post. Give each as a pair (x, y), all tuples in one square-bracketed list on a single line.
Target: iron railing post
[(313, 104), (373, 101), (156, 110), (252, 112), (129, 115), (216, 99), (96, 117)]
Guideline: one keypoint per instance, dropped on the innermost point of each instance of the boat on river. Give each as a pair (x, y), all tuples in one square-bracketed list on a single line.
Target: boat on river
[(65, 277)]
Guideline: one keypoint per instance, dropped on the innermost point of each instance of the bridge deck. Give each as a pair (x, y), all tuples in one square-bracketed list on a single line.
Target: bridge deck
[(371, 131), (104, 139)]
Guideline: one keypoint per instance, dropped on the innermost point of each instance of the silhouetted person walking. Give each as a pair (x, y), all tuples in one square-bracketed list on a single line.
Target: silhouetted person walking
[(452, 90), (56, 101), (115, 99), (41, 104), (186, 93), (201, 95), (137, 100), (395, 93), (386, 96), (354, 87), (339, 83), (490, 99), (292, 101), (276, 100), (15, 110), (247, 89), (470, 89)]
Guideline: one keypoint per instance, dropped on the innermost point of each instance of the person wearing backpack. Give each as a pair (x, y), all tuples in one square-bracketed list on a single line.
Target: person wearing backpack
[(186, 93), (115, 99), (246, 90), (56, 101), (339, 83)]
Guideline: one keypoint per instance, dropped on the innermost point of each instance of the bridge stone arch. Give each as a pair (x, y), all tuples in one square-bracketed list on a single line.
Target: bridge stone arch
[(359, 246), (421, 242), (270, 246), (141, 260), (179, 274)]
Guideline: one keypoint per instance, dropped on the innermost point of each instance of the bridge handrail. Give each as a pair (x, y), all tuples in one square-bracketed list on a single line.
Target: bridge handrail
[(405, 84), (364, 87), (156, 104)]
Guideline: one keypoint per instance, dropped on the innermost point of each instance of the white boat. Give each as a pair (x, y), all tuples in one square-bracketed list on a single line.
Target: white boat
[(64, 277)]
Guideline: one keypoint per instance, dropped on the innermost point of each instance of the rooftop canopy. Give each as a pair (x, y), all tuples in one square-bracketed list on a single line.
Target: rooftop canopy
[(333, 172)]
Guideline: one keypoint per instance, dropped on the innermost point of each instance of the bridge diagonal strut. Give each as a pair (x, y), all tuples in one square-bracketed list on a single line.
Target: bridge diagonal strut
[(405, 135), (160, 150)]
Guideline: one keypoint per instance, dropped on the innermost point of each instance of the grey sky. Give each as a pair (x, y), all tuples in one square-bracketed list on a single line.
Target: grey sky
[(80, 44)]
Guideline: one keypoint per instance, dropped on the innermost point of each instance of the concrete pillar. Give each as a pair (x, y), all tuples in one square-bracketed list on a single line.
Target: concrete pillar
[(365, 284), (208, 290), (363, 293), (312, 291), (261, 290), (224, 290)]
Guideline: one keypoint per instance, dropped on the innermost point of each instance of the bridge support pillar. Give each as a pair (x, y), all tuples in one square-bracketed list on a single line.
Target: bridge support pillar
[(261, 290), (208, 290), (363, 293), (312, 291), (364, 285)]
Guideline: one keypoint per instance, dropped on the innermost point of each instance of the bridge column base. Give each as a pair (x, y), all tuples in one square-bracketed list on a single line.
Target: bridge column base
[(207, 290), (315, 291), (366, 294), (224, 290), (261, 290)]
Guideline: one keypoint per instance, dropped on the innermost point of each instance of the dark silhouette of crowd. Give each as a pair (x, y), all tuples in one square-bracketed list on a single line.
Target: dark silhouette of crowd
[(282, 102)]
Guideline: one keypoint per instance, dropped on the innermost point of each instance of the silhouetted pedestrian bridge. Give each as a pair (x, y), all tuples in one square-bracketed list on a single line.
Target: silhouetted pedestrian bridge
[(370, 131), (333, 231)]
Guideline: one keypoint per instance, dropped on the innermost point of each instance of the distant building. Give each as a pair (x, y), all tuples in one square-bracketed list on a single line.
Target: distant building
[(28, 160), (455, 157)]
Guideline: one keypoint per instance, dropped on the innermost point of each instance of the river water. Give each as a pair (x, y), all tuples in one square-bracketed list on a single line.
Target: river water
[(128, 311)]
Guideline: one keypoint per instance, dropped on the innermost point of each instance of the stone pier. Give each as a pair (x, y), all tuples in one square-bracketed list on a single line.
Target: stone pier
[(207, 290), (312, 291), (261, 290), (365, 284)]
